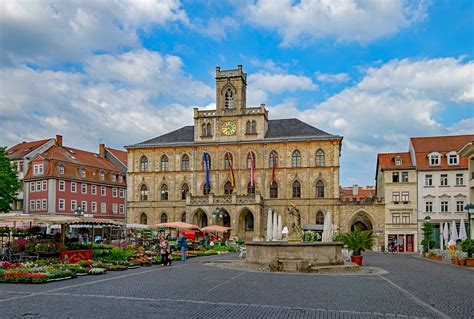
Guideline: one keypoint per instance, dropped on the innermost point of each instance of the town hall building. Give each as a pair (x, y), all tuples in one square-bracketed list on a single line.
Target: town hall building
[(232, 166)]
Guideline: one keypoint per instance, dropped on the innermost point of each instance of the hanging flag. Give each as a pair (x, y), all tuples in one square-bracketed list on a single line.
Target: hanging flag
[(206, 167), (231, 169), (252, 169)]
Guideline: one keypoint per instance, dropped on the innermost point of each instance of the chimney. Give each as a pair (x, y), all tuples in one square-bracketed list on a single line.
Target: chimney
[(59, 140), (355, 190), (102, 150)]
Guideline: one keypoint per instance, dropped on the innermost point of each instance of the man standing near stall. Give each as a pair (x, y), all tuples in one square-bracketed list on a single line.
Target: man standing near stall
[(184, 245)]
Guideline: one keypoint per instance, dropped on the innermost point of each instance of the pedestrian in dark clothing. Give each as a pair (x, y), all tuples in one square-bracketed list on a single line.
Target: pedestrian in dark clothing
[(184, 246), (164, 251)]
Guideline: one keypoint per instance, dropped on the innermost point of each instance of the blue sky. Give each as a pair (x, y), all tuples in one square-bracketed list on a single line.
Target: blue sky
[(375, 72)]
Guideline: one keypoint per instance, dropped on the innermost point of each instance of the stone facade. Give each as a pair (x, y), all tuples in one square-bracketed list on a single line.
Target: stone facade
[(174, 175)]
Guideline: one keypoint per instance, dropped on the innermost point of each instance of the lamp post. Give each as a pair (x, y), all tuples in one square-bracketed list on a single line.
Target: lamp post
[(217, 214), (469, 207)]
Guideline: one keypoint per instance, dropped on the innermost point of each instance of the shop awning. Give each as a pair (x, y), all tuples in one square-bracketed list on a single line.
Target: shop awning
[(138, 226), (177, 225), (216, 229)]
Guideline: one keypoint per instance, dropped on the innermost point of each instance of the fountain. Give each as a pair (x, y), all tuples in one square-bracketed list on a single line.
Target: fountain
[(294, 255)]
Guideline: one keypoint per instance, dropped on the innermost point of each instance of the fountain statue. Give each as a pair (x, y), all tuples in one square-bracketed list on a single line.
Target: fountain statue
[(295, 230), (327, 229)]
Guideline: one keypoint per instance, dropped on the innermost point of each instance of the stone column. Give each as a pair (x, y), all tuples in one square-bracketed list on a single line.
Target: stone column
[(275, 227), (269, 224), (280, 227)]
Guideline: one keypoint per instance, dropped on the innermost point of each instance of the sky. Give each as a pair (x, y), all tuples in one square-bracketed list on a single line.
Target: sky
[(120, 72)]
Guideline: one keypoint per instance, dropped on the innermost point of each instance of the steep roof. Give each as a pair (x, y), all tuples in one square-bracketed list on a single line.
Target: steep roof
[(346, 193), (387, 160), (120, 155), (285, 128), (20, 150), (423, 146)]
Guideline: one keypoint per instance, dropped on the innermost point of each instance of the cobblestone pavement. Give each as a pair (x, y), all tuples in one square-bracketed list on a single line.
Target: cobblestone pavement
[(412, 288)]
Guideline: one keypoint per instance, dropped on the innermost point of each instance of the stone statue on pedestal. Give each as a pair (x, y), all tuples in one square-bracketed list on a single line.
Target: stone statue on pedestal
[(295, 230)]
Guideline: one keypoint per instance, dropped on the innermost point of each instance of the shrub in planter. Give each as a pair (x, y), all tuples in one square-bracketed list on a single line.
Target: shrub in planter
[(358, 241), (61, 274)]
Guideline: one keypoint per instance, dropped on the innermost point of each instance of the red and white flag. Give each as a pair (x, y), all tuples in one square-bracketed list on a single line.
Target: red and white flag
[(252, 169)]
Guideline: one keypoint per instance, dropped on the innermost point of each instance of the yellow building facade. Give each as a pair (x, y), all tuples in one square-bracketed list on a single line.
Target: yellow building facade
[(232, 166)]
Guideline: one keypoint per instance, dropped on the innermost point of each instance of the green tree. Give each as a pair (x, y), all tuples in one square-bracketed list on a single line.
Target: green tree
[(9, 184), (427, 241)]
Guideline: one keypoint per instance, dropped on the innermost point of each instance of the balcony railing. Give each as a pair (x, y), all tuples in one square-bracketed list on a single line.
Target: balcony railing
[(223, 200)]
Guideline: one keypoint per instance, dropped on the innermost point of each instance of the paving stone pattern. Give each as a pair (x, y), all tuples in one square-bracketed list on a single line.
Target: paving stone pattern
[(412, 288)]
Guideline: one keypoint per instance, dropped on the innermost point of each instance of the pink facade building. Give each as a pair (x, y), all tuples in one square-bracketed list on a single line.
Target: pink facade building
[(66, 181)]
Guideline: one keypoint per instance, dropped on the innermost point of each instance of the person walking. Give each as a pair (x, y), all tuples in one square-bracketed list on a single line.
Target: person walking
[(184, 245), (164, 250)]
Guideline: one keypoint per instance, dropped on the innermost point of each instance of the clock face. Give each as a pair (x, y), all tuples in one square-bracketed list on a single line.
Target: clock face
[(229, 128)]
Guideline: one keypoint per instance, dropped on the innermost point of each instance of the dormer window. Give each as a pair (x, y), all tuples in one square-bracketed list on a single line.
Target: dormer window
[(120, 178), (435, 159), (398, 161), (229, 99), (113, 177), (102, 176), (83, 173), (38, 169), (453, 158), (61, 169)]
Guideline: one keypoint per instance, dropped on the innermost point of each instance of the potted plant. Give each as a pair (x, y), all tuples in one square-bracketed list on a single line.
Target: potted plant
[(468, 247), (461, 257), (358, 241), (427, 241)]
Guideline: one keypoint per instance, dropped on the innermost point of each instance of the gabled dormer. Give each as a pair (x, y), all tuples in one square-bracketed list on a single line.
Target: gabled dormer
[(453, 158), (434, 159)]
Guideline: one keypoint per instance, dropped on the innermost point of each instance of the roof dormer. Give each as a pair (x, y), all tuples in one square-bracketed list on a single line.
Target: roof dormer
[(453, 158), (434, 159), (398, 161)]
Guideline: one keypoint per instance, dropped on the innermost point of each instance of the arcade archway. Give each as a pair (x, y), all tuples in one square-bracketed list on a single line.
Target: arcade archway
[(362, 221), (200, 218)]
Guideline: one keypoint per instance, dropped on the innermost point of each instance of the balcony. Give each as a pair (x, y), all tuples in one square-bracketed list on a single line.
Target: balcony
[(232, 199)]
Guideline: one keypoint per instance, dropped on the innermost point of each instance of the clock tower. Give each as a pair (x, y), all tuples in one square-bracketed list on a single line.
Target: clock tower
[(231, 120)]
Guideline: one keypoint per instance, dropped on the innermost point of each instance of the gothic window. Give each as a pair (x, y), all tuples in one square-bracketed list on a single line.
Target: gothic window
[(185, 163), (296, 189), (184, 191), (144, 192), (209, 130), (204, 130), (208, 157), (296, 159), (319, 189), (249, 222), (228, 188), (229, 99), (164, 163), (319, 218), (273, 159), (227, 160), (320, 157), (206, 189), (143, 219), (143, 164), (164, 192), (248, 127), (250, 158), (274, 190), (183, 217), (250, 188), (164, 218), (254, 127)]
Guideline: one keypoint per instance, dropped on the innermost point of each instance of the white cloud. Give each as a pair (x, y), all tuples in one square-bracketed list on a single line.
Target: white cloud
[(107, 101), (344, 20), (53, 31), (333, 77), (217, 28)]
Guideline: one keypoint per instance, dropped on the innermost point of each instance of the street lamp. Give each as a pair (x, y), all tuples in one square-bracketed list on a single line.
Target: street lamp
[(217, 214), (469, 207), (79, 211)]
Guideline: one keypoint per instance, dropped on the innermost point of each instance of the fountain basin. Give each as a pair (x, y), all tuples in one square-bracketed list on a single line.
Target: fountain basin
[(294, 257)]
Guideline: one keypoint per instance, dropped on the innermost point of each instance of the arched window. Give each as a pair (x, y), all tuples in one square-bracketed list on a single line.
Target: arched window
[(164, 218), (296, 159), (320, 218), (164, 163), (320, 157), (208, 157), (228, 189), (209, 129), (251, 157), (143, 219), (183, 217), (204, 130), (206, 189), (143, 164), (250, 188), (143, 192), (320, 189), (274, 190), (273, 159), (229, 99), (296, 189), (185, 163), (254, 127), (184, 191), (164, 192), (248, 127), (227, 160), (249, 222)]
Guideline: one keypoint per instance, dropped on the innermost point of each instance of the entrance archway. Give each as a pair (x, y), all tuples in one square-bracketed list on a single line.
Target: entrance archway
[(224, 220), (362, 221), (200, 218), (246, 224)]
